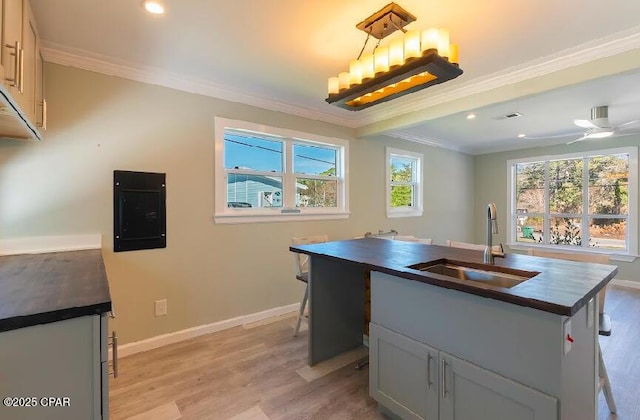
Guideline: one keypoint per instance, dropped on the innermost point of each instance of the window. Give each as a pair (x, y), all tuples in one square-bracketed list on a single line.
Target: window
[(404, 183), (577, 202), (271, 174)]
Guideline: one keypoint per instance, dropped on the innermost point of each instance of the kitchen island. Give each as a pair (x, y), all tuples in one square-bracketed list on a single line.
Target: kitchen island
[(442, 347), (53, 336)]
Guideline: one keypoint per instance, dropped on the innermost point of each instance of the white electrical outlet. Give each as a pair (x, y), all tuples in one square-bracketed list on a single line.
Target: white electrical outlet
[(590, 312), (161, 307)]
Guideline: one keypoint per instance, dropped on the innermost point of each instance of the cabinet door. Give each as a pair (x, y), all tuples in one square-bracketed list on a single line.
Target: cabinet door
[(403, 374), (12, 45), (2, 2), (103, 342), (472, 393), (41, 102), (52, 360), (29, 62)]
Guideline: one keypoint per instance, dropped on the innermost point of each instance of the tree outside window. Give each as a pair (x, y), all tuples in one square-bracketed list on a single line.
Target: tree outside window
[(575, 202), (404, 186)]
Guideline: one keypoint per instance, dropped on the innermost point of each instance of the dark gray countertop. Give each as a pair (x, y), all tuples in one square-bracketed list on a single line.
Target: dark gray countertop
[(561, 287), (43, 288)]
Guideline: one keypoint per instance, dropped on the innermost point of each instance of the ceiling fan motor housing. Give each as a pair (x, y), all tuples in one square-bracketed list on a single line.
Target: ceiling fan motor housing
[(599, 112), (600, 116)]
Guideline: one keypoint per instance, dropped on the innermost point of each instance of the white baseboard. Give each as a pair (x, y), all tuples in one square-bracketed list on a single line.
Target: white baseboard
[(625, 283), (177, 336), (43, 244)]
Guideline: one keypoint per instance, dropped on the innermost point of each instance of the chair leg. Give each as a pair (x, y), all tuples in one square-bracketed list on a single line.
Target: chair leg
[(606, 385), (302, 306)]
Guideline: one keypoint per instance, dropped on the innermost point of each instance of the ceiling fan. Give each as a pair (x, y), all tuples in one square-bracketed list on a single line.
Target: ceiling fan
[(599, 127)]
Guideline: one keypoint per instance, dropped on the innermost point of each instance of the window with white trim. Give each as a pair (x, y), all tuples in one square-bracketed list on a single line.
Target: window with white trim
[(271, 174), (578, 202), (403, 183)]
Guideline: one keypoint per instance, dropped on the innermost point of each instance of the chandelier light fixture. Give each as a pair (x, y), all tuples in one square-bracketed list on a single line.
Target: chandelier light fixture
[(418, 60)]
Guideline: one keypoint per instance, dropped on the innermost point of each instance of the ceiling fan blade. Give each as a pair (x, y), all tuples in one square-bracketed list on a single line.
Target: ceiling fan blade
[(554, 136), (585, 124), (628, 124), (584, 137)]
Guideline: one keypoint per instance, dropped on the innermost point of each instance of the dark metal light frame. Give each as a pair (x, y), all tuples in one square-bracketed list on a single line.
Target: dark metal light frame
[(430, 62), (394, 83)]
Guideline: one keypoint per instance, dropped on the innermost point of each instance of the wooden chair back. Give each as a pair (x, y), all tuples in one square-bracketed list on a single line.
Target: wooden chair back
[(302, 260), (467, 245)]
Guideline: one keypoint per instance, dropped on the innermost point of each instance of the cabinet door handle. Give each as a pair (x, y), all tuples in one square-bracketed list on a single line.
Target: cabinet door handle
[(21, 72), (43, 124), (429, 382), (15, 81), (114, 348), (444, 378), (44, 114)]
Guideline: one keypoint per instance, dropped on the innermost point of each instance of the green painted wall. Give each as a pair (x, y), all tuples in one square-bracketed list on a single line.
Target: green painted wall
[(208, 272)]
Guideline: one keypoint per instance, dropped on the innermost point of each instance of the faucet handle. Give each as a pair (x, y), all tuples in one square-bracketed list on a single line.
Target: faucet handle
[(499, 253)]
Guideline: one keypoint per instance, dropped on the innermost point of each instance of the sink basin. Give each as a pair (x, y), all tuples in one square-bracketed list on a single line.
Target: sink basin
[(478, 273)]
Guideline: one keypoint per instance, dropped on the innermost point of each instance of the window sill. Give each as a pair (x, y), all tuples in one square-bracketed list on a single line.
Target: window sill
[(277, 217), (404, 213), (612, 256)]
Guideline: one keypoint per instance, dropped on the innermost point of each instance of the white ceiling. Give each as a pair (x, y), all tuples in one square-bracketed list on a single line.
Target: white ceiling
[(549, 114), (279, 54)]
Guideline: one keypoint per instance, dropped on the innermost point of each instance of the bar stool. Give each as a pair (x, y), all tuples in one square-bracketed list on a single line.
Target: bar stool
[(302, 272)]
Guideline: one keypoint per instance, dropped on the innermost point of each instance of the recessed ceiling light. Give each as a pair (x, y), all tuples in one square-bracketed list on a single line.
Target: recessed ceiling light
[(153, 6), (521, 136), (471, 116)]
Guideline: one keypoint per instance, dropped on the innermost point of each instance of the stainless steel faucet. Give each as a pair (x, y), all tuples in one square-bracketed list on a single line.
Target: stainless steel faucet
[(492, 228)]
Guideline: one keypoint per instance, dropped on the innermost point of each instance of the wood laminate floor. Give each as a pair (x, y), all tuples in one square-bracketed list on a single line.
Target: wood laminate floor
[(259, 372), (621, 353)]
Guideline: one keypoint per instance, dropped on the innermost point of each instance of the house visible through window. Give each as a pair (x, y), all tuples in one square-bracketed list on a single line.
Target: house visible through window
[(404, 183), (585, 201), (266, 173)]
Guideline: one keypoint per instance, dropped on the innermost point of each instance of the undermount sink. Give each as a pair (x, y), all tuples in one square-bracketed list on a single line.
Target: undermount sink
[(478, 273)]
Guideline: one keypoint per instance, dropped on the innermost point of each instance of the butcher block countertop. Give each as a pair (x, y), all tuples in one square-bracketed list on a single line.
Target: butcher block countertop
[(43, 288), (561, 287)]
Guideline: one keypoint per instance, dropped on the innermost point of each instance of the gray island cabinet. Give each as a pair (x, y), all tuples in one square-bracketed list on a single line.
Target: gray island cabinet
[(53, 336), (443, 348)]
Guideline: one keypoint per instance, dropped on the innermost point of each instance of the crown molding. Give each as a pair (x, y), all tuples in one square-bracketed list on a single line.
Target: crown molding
[(611, 45), (82, 59), (608, 46), (403, 135)]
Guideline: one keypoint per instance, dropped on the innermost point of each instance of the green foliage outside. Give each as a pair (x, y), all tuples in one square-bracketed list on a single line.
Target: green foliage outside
[(565, 234), (608, 180), (401, 195)]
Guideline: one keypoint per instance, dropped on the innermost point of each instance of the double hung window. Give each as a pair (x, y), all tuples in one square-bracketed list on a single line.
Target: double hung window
[(271, 174), (404, 183), (581, 201)]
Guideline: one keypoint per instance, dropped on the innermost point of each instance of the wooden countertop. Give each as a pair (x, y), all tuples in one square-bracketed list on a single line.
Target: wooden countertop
[(43, 288), (562, 287)]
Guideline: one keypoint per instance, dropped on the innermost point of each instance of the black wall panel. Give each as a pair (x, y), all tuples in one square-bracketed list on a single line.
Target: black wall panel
[(139, 210)]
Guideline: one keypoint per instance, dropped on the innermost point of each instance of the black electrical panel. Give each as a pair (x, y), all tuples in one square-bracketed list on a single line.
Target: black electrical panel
[(139, 210)]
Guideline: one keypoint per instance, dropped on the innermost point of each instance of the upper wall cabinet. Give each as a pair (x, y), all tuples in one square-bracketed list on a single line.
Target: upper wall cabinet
[(22, 103)]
